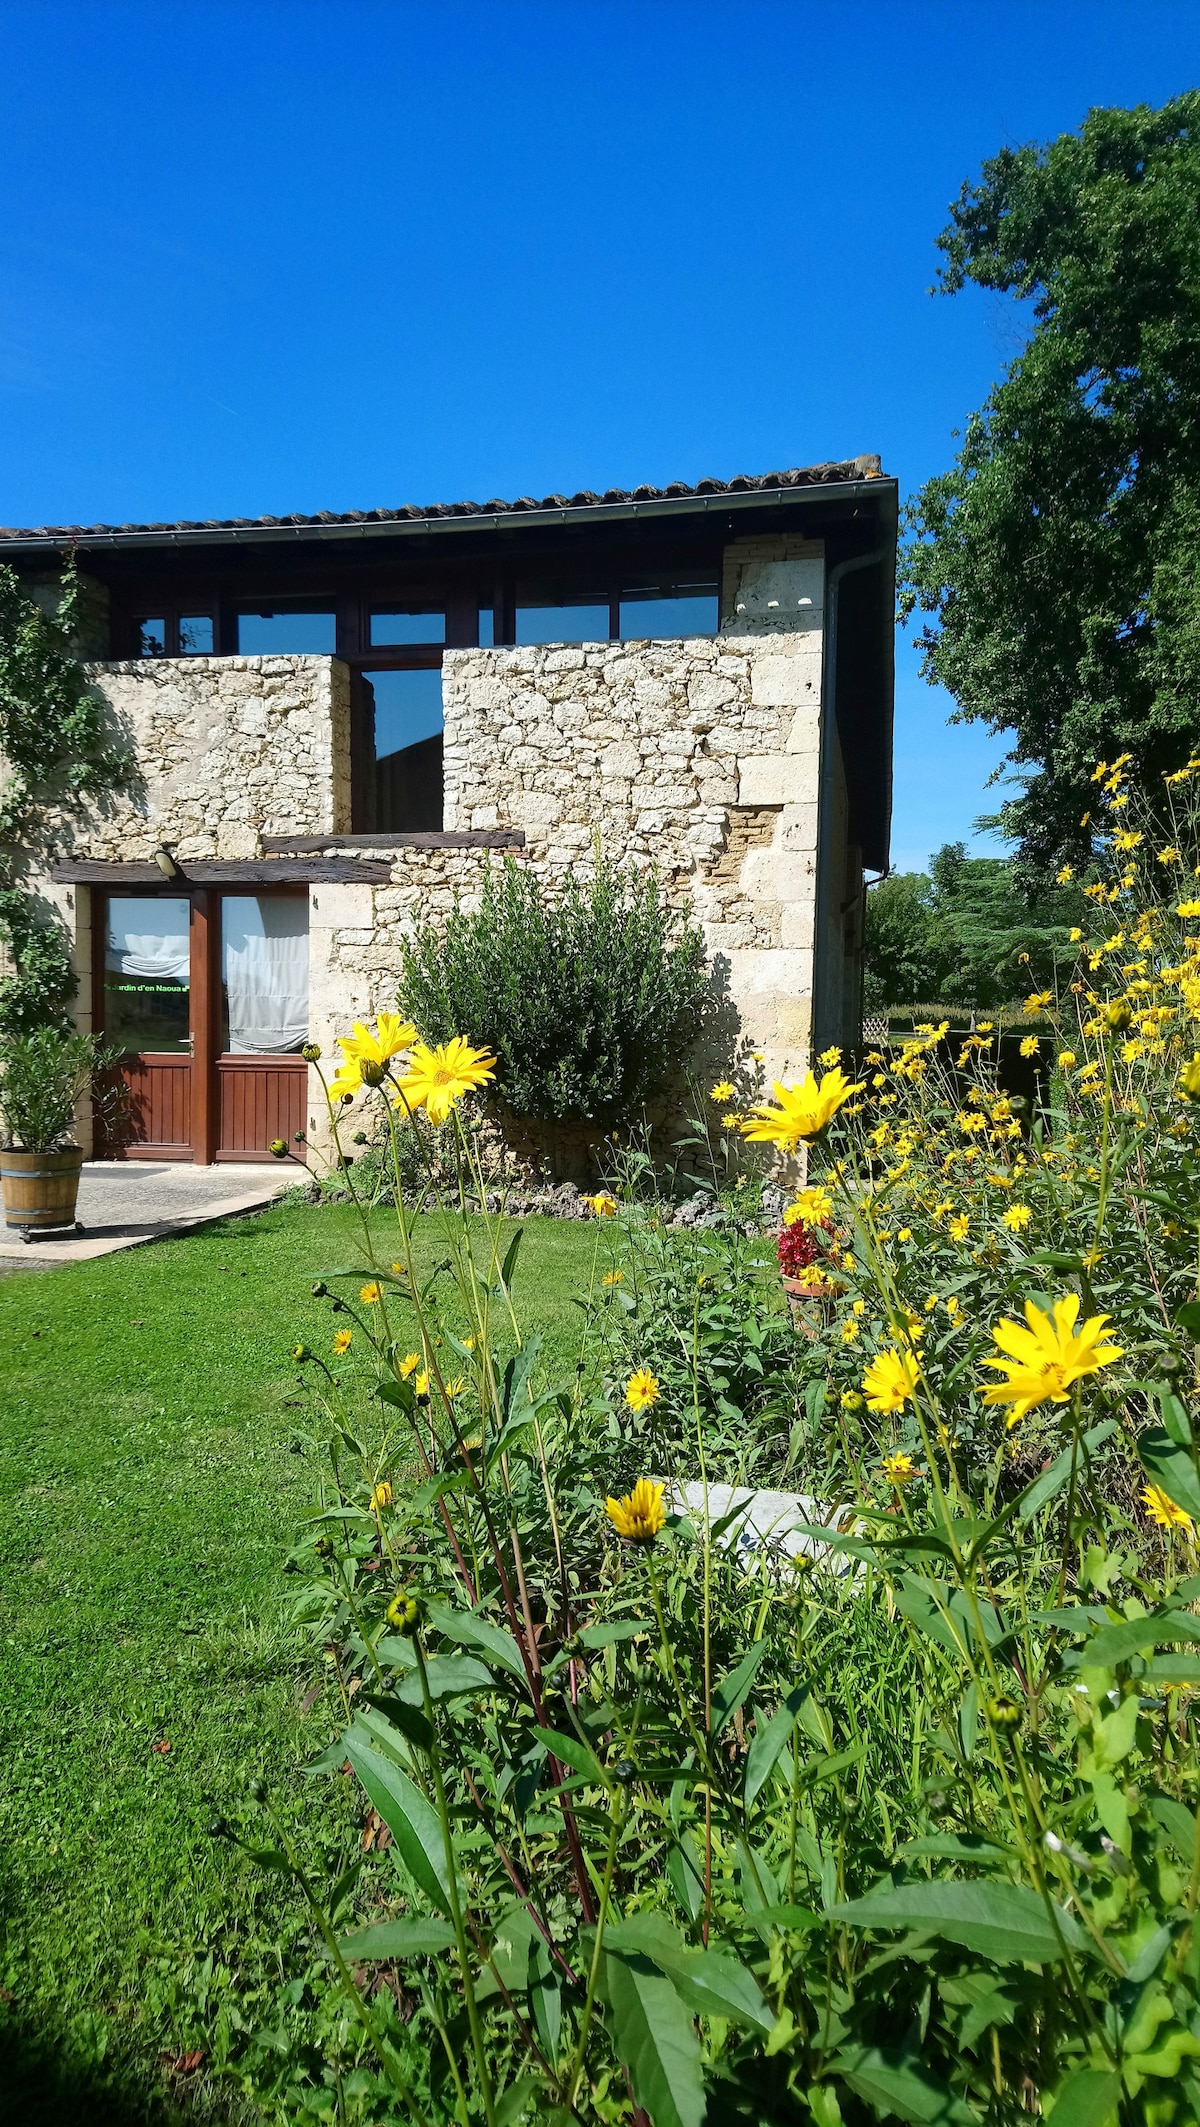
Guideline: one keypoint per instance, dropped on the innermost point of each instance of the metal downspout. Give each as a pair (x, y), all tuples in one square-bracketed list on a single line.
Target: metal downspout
[(822, 1032)]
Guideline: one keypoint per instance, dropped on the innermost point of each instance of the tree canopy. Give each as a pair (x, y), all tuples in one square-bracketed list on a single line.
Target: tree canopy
[(964, 933), (1059, 557)]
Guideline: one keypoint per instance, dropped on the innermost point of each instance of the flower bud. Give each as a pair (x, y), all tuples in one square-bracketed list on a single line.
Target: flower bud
[(301, 1354), (1117, 1015), (1004, 1714), (323, 1547), (359, 1138), (320, 1290), (311, 1052), (257, 1790), (1189, 1079), (371, 1073), (404, 1612), (278, 1148)]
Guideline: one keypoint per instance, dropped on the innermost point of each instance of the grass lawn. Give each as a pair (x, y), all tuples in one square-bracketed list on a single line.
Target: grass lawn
[(149, 1482)]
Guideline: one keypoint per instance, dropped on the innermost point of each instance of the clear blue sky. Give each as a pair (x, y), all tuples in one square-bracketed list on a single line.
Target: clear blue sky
[(326, 254)]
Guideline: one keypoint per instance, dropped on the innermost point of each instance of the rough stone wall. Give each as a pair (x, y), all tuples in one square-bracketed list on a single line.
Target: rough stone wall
[(700, 756), (228, 749)]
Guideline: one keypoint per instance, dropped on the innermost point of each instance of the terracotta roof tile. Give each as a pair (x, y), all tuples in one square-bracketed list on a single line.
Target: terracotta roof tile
[(840, 470)]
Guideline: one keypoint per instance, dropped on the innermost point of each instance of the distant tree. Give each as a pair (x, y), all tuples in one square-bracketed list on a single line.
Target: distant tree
[(1059, 557), (965, 933), (905, 960)]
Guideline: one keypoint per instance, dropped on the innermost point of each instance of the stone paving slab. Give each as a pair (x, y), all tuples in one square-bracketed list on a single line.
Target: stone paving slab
[(123, 1203)]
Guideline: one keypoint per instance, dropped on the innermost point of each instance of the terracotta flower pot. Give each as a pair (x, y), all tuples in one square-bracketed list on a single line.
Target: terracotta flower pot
[(40, 1189), (806, 1304)]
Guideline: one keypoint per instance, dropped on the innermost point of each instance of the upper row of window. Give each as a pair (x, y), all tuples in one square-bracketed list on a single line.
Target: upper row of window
[(659, 610)]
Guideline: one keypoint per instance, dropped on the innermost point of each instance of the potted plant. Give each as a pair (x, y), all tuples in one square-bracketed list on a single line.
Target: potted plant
[(42, 1078), (803, 1271)]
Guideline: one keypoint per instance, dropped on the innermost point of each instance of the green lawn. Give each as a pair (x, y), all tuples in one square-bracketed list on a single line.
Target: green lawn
[(150, 1422)]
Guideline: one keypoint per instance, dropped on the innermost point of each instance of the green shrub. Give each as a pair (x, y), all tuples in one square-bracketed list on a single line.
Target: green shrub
[(590, 997), (42, 1076)]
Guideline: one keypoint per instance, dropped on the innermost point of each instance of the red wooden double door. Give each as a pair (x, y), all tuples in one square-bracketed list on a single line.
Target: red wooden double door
[(207, 996)]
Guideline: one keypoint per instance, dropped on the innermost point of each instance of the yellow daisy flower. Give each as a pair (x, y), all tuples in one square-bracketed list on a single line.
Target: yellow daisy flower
[(1044, 1358), (342, 1341), (370, 1292), (810, 1207), (800, 1112), (604, 1205), (638, 1517), (381, 1496), (438, 1078), (1162, 1509), (722, 1092), (641, 1389), (1017, 1217), (614, 1277), (898, 1469), (889, 1381)]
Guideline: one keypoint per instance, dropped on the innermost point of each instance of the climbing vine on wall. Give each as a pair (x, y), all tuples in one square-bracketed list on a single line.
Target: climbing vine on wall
[(55, 750)]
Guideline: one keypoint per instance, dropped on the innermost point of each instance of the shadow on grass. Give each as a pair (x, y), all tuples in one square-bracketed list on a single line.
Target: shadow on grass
[(52, 2077)]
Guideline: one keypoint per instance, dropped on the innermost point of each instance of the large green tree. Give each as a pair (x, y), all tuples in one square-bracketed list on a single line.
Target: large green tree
[(1059, 558), (965, 933)]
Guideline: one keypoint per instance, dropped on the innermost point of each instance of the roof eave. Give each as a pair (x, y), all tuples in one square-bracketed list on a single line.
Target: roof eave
[(882, 488)]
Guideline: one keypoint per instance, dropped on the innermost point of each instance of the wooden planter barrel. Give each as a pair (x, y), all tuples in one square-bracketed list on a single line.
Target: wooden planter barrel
[(40, 1188)]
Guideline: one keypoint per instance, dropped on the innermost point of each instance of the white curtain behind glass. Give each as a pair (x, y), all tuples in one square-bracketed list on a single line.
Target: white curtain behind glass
[(264, 949), (148, 938)]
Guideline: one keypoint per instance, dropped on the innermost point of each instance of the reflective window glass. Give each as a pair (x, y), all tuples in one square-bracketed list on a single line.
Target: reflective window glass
[(408, 708), (662, 610), (264, 973), (487, 627), (151, 638), (147, 973), (307, 634), (407, 625), (583, 618), (195, 635)]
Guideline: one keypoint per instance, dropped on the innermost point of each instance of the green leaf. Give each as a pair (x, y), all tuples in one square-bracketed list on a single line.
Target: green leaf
[(734, 1689), (395, 1939), (770, 1740), (1172, 1669), (957, 1846), (685, 1874), (448, 1676), (510, 1257), (1188, 1317), (410, 1818), (711, 1982), (1178, 1823), (573, 1753), (654, 2040), (1117, 1642), (1172, 1468), (1004, 1921), (473, 1631), (1088, 2098), (1052, 1480), (897, 2083), (545, 1996), (407, 1719), (621, 1628)]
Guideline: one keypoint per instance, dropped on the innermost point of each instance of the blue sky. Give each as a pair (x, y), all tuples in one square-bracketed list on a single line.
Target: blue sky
[(272, 257)]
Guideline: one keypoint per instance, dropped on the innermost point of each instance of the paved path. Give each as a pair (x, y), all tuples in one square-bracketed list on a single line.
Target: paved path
[(125, 1202)]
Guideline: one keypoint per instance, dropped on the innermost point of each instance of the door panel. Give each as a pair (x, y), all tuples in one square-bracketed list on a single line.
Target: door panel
[(260, 1098), (145, 1005), (153, 1120)]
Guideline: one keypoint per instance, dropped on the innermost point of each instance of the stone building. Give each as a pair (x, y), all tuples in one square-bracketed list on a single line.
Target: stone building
[(339, 721)]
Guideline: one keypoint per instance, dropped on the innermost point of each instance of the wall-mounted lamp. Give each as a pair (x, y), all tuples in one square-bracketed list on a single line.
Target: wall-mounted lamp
[(166, 863)]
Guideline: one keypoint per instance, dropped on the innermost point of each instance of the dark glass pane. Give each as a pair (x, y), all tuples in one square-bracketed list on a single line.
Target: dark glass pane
[(580, 617), (196, 635), (666, 609), (146, 973), (264, 973), (407, 625), (309, 634), (151, 638), (408, 708), (487, 627)]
